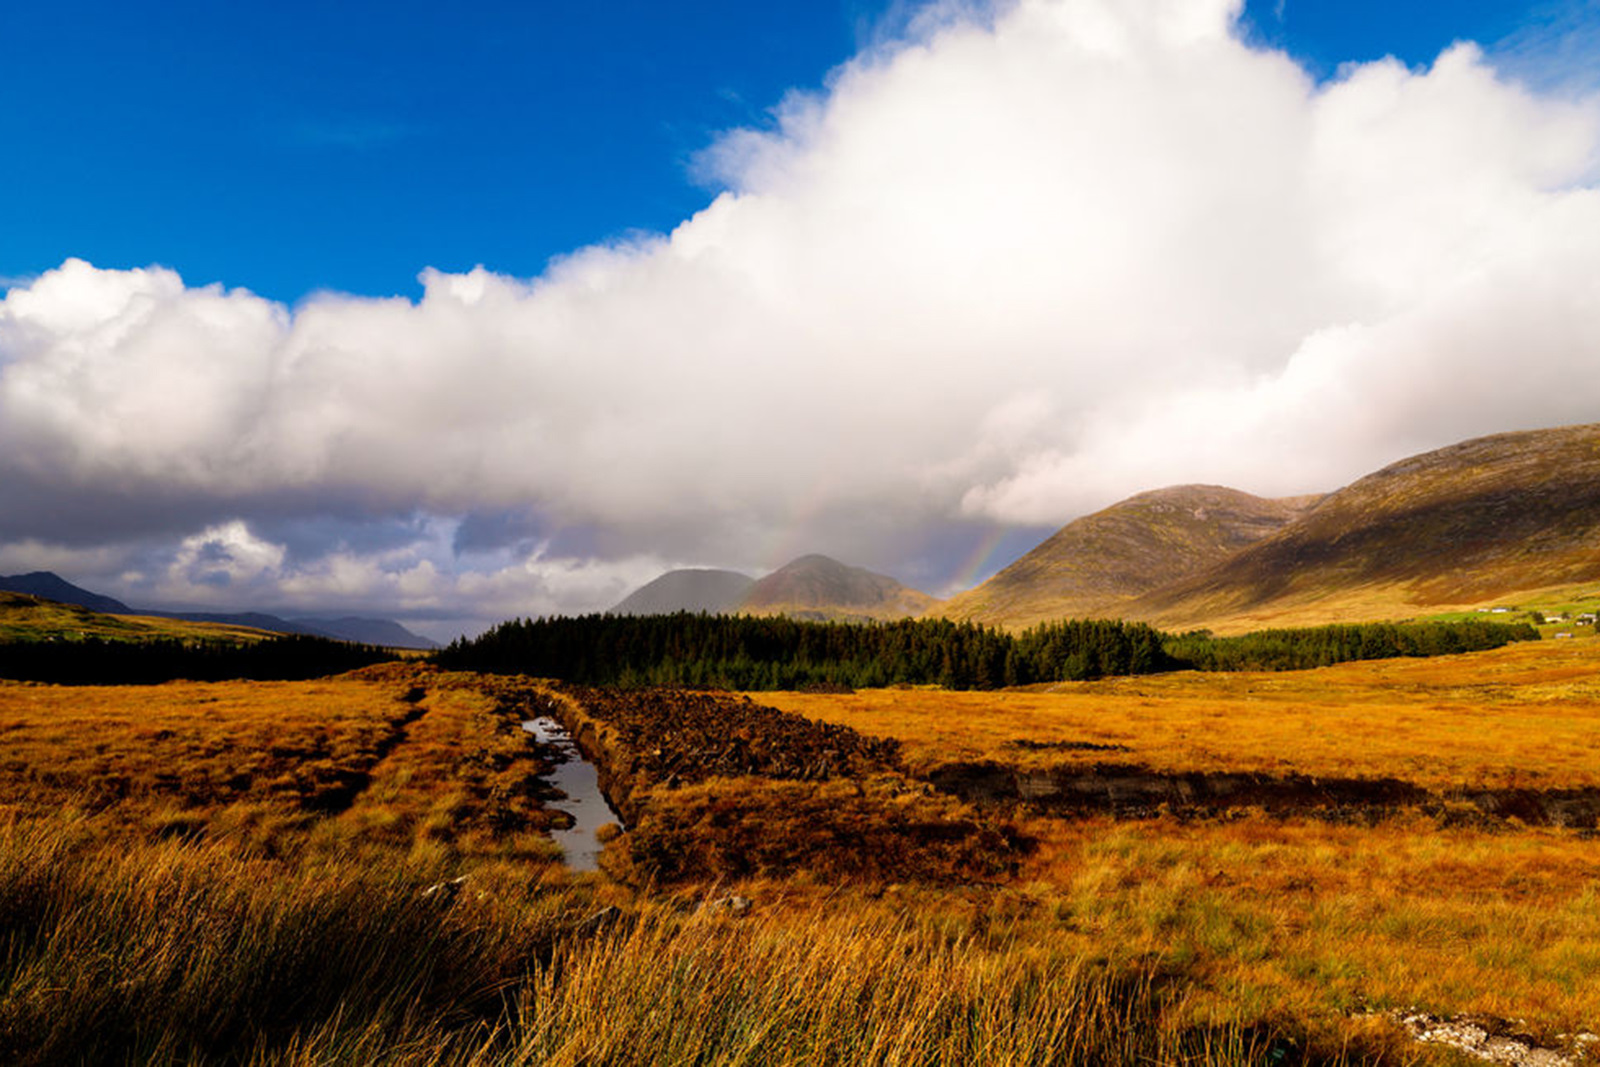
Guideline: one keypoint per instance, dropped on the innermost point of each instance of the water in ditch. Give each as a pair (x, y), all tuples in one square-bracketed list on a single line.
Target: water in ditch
[(577, 778)]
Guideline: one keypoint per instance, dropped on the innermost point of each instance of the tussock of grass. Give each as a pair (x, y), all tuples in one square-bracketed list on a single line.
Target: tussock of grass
[(134, 955), (182, 953)]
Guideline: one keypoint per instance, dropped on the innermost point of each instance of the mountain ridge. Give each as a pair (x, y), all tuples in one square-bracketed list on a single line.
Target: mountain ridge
[(1505, 515), (692, 589), (813, 586), (51, 586), (818, 586), (1100, 563)]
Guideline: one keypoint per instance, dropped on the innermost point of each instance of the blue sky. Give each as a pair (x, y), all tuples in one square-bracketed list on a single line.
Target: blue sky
[(300, 146), (294, 146), (907, 284)]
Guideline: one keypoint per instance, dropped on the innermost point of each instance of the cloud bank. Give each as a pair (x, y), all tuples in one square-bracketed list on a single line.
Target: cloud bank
[(1008, 268)]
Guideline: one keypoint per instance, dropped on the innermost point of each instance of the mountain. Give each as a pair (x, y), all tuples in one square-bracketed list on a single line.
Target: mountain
[(1097, 565), (1493, 518), (54, 587), (384, 632), (24, 617), (255, 620), (816, 587), (713, 591)]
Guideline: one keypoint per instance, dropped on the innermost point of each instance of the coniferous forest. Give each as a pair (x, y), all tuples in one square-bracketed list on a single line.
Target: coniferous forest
[(773, 652), (1323, 646), (96, 662)]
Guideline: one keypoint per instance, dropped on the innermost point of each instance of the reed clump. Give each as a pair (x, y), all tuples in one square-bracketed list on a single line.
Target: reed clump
[(177, 952)]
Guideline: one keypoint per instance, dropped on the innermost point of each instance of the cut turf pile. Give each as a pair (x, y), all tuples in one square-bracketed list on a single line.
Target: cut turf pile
[(665, 735), (716, 786)]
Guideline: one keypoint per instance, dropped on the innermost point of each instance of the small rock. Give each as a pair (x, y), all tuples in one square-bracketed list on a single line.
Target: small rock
[(1474, 1037), (731, 904), (445, 892)]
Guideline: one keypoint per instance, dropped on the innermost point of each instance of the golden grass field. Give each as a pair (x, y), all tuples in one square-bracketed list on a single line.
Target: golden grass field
[(1375, 601), (1527, 714), (385, 761), (237, 872), (1293, 913)]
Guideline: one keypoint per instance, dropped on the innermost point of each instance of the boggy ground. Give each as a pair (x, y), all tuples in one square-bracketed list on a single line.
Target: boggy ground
[(716, 786), (1523, 716), (351, 871), (1323, 843), (392, 758), (273, 877)]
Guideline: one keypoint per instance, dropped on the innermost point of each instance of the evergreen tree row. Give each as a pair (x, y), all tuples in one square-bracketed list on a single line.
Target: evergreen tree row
[(1323, 646), (775, 652), (754, 653), (95, 662)]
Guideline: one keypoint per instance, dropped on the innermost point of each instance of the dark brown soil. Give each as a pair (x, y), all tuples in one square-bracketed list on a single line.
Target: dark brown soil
[(682, 736), (1135, 791), (716, 786)]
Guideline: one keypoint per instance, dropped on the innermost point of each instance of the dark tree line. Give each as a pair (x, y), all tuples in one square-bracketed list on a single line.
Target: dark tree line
[(756, 653), (745, 652), (1323, 646), (95, 662)]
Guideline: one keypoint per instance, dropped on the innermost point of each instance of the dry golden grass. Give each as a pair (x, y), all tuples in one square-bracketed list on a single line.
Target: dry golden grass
[(241, 873), (333, 803), (1291, 916), (1378, 601), (394, 759), (193, 745), (180, 953), (1316, 920), (1527, 715)]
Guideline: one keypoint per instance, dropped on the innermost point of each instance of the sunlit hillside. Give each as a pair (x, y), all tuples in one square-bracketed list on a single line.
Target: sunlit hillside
[(29, 618), (1094, 566), (1511, 517)]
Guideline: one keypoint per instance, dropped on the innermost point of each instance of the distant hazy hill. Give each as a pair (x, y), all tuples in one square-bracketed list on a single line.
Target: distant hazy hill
[(1490, 518), (817, 587), (1096, 565), (54, 587), (384, 632), (256, 620), (713, 591)]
